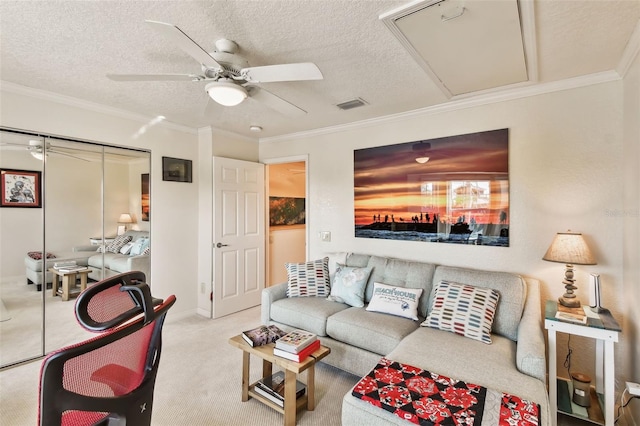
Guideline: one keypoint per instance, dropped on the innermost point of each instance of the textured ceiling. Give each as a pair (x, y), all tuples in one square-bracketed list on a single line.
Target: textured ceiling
[(67, 47)]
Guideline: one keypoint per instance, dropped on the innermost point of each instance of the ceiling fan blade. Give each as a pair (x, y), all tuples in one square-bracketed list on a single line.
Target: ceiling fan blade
[(185, 43), (283, 72), (155, 77), (275, 102), (67, 155)]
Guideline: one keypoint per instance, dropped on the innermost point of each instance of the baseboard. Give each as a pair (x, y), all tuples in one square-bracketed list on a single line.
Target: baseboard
[(631, 415), (204, 312), (171, 317)]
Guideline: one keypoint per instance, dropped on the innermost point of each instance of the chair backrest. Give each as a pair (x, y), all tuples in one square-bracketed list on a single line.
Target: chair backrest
[(110, 378)]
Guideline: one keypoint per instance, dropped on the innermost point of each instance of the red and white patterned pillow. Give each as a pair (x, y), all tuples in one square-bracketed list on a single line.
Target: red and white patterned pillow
[(463, 309), (309, 279)]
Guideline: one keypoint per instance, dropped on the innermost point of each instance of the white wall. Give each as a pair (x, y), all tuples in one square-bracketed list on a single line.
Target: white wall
[(566, 152), (174, 205), (629, 220)]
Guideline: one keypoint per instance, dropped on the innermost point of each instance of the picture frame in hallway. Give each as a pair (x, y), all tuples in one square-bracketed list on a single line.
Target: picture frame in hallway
[(176, 170), (20, 188), (144, 198)]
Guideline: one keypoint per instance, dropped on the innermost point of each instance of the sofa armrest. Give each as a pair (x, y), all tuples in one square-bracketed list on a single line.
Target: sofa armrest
[(85, 248), (531, 349), (140, 263), (270, 295)]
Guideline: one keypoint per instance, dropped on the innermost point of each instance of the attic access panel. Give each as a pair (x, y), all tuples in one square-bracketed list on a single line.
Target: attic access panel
[(465, 46)]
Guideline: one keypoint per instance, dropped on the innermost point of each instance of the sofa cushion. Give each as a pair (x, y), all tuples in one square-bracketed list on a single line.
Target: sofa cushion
[(372, 331), (455, 356), (511, 287), (307, 313), (308, 279), (463, 309), (394, 300), (115, 245), (348, 285)]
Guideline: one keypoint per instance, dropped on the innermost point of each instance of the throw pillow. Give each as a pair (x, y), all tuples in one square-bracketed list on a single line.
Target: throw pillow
[(115, 245), (399, 301), (463, 309), (126, 248), (146, 251), (349, 284), (139, 245), (309, 279)]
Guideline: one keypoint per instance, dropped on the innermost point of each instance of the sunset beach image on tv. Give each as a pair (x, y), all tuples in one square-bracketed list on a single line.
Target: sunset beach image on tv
[(453, 189)]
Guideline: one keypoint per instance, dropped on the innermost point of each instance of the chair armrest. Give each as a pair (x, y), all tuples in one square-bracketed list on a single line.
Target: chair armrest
[(85, 248), (270, 295), (531, 349)]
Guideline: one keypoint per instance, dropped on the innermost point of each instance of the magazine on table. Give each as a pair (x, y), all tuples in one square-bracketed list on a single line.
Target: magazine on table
[(262, 335), (272, 388)]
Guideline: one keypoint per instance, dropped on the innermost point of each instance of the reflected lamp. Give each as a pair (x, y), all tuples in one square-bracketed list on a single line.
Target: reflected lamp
[(571, 249)]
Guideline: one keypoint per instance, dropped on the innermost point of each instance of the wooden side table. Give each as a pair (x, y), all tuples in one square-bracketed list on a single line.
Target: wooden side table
[(68, 281), (291, 371), (605, 330)]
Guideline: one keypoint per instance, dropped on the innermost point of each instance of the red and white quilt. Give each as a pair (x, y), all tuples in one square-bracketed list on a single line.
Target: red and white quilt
[(426, 398)]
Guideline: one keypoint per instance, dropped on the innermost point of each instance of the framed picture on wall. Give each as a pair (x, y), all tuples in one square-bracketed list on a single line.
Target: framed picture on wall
[(176, 169), (20, 188)]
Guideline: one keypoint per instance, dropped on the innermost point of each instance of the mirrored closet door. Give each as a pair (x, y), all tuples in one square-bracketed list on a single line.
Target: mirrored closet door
[(90, 194)]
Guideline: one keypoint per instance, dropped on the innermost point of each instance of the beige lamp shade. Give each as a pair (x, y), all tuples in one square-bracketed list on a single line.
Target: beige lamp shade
[(125, 218), (569, 247)]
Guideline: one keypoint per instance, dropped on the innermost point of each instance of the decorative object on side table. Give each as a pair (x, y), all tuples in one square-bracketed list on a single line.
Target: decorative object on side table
[(124, 219), (20, 188), (571, 249)]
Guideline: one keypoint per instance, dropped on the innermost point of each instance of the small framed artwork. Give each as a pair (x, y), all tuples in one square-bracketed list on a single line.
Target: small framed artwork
[(176, 169), (144, 202), (20, 188)]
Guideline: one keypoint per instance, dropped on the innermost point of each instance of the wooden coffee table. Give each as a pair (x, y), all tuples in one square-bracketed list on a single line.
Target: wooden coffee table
[(291, 371), (68, 281)]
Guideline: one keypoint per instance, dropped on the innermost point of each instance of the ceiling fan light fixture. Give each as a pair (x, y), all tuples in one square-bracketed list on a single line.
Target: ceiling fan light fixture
[(422, 160), (226, 93)]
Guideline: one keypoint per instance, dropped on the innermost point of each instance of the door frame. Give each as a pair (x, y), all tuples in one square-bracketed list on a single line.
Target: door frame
[(280, 160)]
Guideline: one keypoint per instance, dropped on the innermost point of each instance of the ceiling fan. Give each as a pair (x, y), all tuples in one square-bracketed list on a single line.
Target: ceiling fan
[(37, 148), (230, 78)]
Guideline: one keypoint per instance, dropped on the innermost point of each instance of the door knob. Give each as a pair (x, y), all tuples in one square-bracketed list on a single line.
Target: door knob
[(222, 245)]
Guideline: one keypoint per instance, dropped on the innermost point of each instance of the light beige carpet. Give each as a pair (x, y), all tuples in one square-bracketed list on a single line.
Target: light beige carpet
[(198, 382)]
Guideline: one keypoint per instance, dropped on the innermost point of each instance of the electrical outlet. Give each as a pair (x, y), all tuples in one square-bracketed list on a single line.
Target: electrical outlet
[(633, 388), (325, 236)]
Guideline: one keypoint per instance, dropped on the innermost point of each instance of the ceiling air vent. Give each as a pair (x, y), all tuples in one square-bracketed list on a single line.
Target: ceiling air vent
[(353, 103)]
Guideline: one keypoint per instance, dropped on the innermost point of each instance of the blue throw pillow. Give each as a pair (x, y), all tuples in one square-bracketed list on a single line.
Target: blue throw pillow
[(349, 284)]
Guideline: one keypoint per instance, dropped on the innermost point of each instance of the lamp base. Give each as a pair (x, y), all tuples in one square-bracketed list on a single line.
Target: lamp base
[(569, 303)]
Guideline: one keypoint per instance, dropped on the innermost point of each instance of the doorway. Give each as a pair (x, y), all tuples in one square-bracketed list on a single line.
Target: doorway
[(288, 207)]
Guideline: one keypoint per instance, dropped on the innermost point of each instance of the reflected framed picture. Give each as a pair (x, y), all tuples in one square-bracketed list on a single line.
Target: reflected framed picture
[(20, 188), (144, 200), (176, 169)]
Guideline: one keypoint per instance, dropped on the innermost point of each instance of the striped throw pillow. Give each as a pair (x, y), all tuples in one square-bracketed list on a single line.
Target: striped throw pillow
[(463, 309), (309, 279)]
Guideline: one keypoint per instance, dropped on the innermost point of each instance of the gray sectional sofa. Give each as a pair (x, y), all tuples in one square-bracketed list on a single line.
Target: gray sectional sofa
[(513, 363), (87, 255)]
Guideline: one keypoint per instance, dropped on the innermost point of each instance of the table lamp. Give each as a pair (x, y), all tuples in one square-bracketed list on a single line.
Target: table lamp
[(124, 218), (571, 249)]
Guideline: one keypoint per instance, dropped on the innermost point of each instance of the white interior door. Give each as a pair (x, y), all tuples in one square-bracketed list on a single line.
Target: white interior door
[(238, 235)]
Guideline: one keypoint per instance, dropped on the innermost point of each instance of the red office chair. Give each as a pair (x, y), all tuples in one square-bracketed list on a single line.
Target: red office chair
[(110, 378)]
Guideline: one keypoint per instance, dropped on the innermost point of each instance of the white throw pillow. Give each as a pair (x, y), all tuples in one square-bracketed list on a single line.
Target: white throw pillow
[(126, 248), (395, 300), (463, 309)]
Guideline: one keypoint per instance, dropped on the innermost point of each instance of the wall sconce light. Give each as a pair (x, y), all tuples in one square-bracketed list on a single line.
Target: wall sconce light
[(571, 249)]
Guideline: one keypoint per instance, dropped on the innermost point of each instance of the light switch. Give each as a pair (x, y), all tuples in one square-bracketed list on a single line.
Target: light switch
[(325, 236)]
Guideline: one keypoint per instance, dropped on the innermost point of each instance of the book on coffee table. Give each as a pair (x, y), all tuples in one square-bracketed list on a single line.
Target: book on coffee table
[(262, 335), (301, 356), (296, 340), (272, 388)]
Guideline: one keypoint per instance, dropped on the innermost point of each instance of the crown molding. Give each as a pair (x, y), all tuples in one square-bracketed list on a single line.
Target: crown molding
[(462, 102), (631, 51), (87, 105)]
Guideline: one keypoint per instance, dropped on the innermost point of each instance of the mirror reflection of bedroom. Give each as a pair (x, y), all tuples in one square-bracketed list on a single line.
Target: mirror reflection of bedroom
[(287, 217), (62, 202)]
